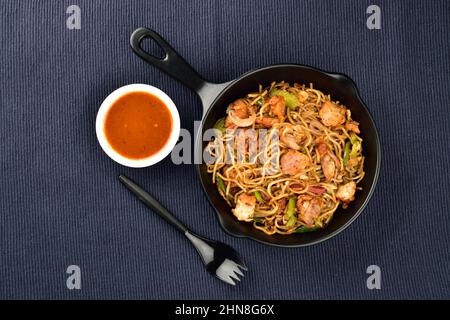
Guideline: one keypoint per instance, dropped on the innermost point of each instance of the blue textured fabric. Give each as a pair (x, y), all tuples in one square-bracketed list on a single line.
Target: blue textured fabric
[(61, 203)]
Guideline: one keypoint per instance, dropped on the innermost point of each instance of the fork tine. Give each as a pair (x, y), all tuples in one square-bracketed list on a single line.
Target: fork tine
[(226, 279), (243, 267), (240, 265), (222, 275), (234, 276), (236, 269), (224, 272)]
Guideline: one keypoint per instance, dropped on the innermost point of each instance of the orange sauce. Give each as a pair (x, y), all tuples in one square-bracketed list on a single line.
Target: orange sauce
[(138, 125)]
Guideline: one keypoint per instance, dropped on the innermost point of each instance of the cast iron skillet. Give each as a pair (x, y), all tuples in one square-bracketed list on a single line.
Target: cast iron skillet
[(215, 99)]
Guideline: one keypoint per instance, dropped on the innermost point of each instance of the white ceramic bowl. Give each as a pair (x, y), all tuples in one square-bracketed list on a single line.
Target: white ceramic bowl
[(108, 103)]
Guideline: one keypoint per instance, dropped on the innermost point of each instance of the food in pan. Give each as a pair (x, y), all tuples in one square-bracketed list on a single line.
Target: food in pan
[(310, 163)]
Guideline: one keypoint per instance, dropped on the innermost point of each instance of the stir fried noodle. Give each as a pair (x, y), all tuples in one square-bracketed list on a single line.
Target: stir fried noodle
[(286, 157)]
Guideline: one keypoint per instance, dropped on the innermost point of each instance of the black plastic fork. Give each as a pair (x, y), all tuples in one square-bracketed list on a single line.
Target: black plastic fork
[(220, 259)]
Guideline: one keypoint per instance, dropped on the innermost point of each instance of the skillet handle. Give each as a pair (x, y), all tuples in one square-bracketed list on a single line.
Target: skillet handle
[(175, 66)]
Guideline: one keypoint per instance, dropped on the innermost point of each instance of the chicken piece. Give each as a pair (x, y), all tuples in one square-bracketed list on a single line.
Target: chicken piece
[(309, 209), (239, 108), (245, 207), (322, 148), (292, 137), (302, 96), (331, 114), (328, 167), (267, 121), (240, 114), (294, 162), (353, 126), (346, 192), (328, 160), (278, 107)]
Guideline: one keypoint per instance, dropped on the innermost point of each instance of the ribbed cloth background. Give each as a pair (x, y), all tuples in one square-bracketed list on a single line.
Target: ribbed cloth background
[(61, 203)]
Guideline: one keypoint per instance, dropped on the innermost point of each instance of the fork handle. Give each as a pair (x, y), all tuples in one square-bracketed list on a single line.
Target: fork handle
[(152, 203)]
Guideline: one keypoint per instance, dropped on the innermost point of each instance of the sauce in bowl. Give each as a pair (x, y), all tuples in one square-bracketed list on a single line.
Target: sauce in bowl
[(138, 125)]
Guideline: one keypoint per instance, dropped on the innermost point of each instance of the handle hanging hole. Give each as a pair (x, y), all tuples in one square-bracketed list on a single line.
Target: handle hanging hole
[(153, 48)]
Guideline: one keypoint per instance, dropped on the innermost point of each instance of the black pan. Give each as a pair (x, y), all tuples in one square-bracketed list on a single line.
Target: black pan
[(215, 99)]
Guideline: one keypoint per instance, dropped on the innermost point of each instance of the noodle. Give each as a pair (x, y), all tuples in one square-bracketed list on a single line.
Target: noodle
[(309, 164)]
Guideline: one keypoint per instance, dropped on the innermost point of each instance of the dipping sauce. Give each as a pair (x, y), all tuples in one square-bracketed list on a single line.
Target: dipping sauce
[(138, 125)]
